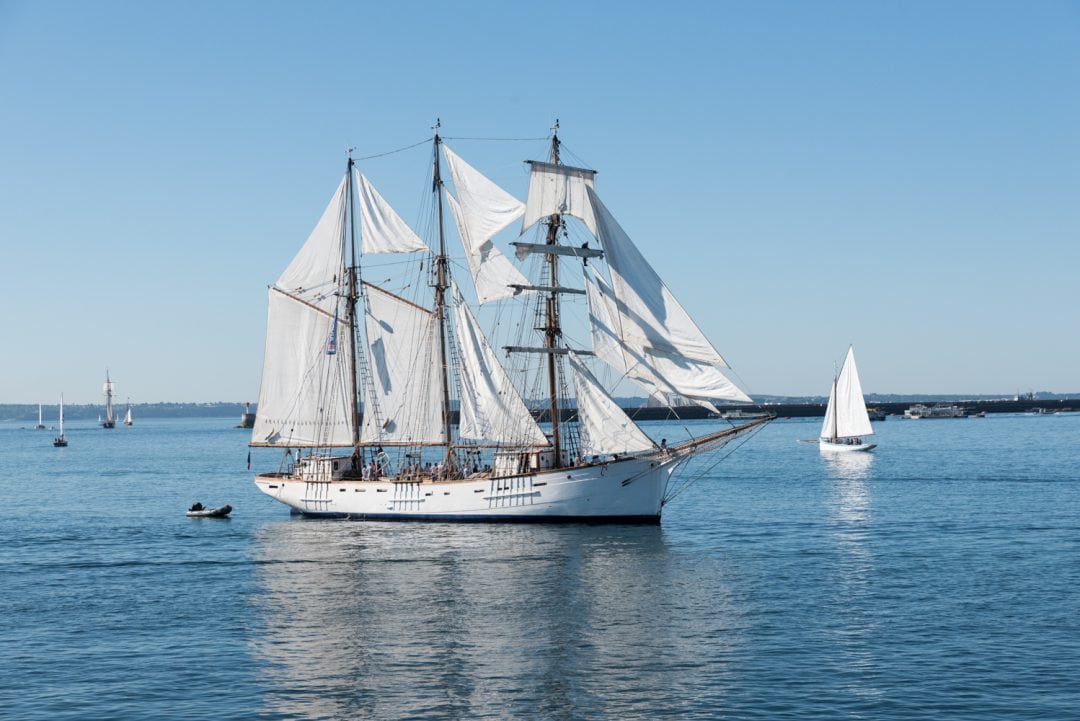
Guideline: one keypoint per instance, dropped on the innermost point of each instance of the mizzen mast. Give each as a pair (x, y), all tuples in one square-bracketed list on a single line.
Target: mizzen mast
[(441, 284)]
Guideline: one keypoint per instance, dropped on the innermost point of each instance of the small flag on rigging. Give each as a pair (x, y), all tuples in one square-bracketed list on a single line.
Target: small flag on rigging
[(331, 340)]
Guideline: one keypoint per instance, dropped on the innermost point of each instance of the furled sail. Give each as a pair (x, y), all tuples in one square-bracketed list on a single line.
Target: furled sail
[(846, 413), (657, 321), (614, 335), (605, 428), (381, 229), (402, 351), (559, 189), (304, 396), (493, 275), (491, 409)]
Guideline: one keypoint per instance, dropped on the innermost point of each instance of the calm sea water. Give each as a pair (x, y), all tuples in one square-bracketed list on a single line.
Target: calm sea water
[(937, 578)]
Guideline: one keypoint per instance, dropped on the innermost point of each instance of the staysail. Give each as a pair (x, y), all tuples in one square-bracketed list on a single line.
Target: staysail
[(304, 394), (402, 350), (381, 229), (486, 207), (616, 339), (493, 275), (491, 408), (605, 427), (846, 414), (656, 320)]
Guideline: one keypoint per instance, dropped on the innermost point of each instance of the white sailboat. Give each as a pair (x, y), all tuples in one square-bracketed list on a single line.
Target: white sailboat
[(40, 424), (846, 420), (446, 433), (109, 390), (127, 414), (60, 441)]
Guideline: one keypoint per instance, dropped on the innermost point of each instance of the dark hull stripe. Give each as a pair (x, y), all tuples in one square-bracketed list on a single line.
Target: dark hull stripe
[(457, 518)]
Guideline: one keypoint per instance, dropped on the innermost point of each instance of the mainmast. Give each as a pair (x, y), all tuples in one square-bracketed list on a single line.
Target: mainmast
[(351, 312), (441, 284), (551, 328)]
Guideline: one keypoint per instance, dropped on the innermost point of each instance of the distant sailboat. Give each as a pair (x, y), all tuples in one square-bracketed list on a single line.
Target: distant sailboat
[(40, 426), (846, 420), (108, 390), (60, 441), (127, 415)]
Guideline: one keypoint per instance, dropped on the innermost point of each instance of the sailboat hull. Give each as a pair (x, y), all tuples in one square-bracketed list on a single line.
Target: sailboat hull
[(828, 447), (621, 491)]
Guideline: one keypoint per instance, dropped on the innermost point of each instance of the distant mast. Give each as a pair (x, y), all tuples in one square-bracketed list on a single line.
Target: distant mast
[(60, 441), (107, 389), (40, 425)]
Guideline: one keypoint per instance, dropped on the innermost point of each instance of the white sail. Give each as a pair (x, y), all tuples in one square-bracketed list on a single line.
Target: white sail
[(559, 189), (605, 427), (315, 275), (381, 229), (615, 337), (304, 398), (491, 408), (493, 274), (846, 414), (304, 393), (403, 353), (61, 415), (485, 206), (658, 322)]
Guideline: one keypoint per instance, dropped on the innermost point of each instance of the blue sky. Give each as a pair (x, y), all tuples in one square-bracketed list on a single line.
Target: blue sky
[(901, 176)]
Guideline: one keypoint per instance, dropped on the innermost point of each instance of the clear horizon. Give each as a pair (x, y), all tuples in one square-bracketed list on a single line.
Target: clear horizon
[(803, 176)]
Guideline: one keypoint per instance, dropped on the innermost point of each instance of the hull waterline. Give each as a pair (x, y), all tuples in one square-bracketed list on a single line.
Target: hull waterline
[(827, 447), (621, 491)]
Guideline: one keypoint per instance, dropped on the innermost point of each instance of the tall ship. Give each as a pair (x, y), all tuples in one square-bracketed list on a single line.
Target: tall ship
[(108, 390), (448, 431)]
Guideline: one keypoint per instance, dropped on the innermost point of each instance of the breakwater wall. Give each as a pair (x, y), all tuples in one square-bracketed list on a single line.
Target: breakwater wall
[(809, 410)]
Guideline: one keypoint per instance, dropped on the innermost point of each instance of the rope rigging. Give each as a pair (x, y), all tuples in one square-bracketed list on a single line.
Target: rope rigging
[(676, 491)]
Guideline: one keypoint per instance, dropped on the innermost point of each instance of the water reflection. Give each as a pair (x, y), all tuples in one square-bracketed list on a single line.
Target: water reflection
[(850, 520), (848, 466), (391, 621)]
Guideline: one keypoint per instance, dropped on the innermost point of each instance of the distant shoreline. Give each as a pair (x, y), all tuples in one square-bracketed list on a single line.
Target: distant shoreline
[(21, 412)]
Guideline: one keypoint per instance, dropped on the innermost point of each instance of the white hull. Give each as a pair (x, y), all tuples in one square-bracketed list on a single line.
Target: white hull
[(628, 490), (829, 447)]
